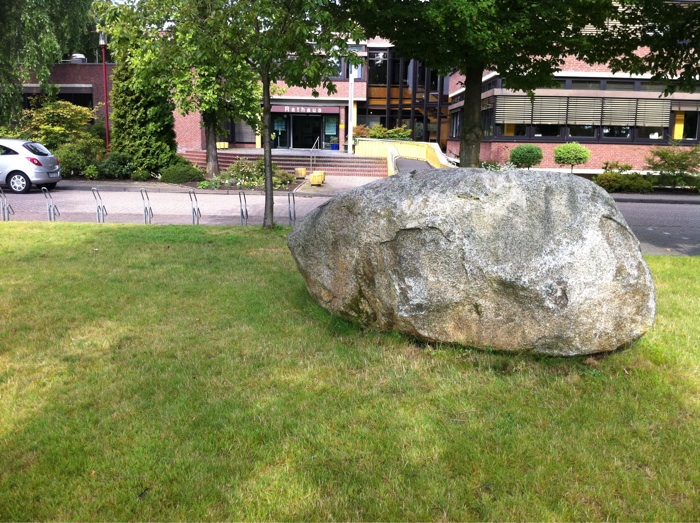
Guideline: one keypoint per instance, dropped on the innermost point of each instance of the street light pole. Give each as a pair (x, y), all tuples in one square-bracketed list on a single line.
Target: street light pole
[(351, 108), (103, 45)]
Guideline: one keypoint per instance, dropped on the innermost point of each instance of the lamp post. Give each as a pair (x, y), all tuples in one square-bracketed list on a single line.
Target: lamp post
[(351, 107), (103, 45)]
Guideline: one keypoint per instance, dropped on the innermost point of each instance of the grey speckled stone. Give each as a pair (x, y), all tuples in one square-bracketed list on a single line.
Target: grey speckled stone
[(517, 261)]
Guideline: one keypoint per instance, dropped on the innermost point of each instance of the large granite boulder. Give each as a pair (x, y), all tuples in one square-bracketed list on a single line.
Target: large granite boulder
[(517, 261)]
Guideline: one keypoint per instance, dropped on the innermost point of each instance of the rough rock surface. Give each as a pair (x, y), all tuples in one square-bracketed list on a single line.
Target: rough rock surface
[(518, 261)]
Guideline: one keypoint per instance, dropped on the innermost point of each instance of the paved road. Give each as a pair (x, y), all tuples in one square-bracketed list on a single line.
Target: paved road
[(664, 224)]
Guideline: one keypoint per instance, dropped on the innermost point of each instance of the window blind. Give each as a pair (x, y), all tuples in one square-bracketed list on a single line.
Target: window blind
[(549, 110), (584, 111), (513, 109), (619, 111), (653, 113)]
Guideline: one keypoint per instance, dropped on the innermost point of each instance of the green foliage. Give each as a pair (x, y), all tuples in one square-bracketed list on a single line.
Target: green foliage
[(678, 166), (57, 123), (526, 155), (245, 174), (181, 173), (492, 165), (76, 155), (633, 182), (360, 131), (117, 165), (142, 121), (397, 133), (34, 36), (571, 153), (91, 172), (13, 132), (141, 175)]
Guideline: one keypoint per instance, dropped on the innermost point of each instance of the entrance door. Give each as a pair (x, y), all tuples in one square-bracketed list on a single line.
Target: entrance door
[(305, 131)]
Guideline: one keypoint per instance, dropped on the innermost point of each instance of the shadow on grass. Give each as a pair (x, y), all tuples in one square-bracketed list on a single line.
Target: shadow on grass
[(198, 380)]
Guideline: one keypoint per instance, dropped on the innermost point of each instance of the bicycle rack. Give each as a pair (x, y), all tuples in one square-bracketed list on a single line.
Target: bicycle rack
[(7, 209), (196, 213), (51, 208), (147, 211), (101, 209), (292, 201), (244, 208)]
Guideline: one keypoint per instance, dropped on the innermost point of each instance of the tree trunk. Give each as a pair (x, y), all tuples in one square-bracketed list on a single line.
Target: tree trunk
[(269, 217), (210, 127), (470, 139)]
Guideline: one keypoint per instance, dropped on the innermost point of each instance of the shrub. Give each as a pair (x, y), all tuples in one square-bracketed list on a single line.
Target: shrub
[(397, 133), (571, 154), (526, 155), (180, 173), (613, 181), (360, 131), (140, 175), (57, 123), (79, 154), (245, 174), (677, 166), (117, 165), (493, 165), (91, 173)]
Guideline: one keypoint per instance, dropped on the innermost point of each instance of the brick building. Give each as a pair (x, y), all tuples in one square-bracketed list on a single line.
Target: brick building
[(619, 117)]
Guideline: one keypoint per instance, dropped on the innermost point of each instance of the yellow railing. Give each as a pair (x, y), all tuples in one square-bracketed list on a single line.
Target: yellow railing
[(392, 149)]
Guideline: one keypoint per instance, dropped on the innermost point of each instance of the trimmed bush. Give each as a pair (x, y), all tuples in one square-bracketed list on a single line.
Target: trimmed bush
[(181, 173), (526, 155), (618, 182), (117, 166), (572, 153), (245, 174), (78, 155)]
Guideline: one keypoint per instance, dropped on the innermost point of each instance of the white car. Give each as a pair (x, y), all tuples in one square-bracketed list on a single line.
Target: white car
[(23, 163)]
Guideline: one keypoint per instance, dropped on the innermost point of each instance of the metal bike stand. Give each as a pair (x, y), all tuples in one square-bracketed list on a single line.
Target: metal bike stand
[(51, 209), (7, 209), (244, 208), (196, 213), (101, 209), (147, 211), (292, 201)]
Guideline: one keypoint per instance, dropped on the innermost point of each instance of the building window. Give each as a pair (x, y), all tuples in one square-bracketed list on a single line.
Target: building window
[(619, 86), (686, 125), (587, 85), (582, 131), (546, 130), (650, 133), (377, 67), (455, 124), (617, 131)]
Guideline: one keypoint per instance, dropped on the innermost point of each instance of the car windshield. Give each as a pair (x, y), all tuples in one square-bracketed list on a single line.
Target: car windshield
[(36, 148)]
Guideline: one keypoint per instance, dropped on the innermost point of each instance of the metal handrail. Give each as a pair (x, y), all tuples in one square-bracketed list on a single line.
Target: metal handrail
[(316, 146)]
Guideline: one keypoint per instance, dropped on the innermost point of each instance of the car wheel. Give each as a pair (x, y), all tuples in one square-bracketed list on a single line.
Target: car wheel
[(49, 186), (19, 182)]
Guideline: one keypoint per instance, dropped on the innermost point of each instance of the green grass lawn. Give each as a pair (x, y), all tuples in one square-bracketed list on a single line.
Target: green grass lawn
[(184, 373)]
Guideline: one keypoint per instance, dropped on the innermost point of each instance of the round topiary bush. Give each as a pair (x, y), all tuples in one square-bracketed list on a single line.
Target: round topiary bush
[(181, 173), (526, 155), (572, 153)]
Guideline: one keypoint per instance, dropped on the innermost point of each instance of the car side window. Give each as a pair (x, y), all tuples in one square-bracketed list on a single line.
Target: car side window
[(6, 151)]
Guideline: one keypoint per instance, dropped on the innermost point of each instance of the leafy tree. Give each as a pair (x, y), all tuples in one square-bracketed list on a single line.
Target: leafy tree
[(179, 47), (142, 122), (297, 42), (215, 56), (571, 153), (34, 36), (526, 42), (526, 155)]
